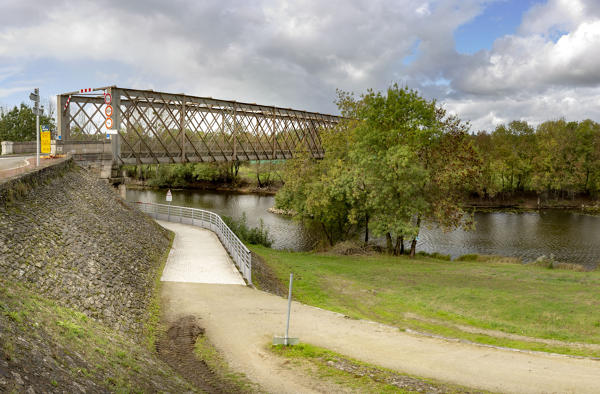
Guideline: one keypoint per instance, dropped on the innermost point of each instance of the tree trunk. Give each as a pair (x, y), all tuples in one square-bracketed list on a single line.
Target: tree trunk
[(413, 247), (399, 249), (401, 244), (367, 228), (413, 244), (258, 178), (327, 235), (388, 240)]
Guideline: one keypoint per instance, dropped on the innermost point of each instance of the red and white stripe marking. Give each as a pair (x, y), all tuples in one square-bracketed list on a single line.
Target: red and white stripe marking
[(85, 90), (67, 103)]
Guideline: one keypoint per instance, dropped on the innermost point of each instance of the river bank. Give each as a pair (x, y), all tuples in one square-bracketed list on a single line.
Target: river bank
[(494, 302)]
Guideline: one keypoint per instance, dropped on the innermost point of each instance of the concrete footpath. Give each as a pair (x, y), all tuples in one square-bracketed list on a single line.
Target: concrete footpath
[(197, 256), (241, 322)]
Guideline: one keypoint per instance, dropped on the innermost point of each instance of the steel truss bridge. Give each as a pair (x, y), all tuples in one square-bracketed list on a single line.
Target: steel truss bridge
[(157, 127)]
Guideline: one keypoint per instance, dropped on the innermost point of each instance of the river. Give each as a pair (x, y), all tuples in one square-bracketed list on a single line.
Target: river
[(571, 237)]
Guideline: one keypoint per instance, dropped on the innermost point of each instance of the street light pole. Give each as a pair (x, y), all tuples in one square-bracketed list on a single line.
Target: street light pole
[(35, 97)]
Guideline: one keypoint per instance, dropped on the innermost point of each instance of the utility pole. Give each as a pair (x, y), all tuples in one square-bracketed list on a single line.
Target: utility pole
[(35, 97)]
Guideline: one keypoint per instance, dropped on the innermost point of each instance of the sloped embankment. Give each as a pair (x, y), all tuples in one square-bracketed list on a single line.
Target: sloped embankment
[(74, 240), (78, 268)]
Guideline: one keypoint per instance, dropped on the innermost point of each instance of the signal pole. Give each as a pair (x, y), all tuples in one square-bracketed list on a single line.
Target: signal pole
[(35, 97)]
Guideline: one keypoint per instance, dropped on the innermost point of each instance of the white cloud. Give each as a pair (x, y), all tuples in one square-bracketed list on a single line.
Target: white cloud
[(423, 10), (297, 53)]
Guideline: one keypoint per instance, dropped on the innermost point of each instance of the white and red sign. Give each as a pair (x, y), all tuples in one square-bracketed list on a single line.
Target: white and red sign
[(169, 196), (108, 111)]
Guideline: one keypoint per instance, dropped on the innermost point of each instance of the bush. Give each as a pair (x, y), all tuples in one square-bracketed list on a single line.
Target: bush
[(255, 235), (468, 257), (435, 255), (350, 248)]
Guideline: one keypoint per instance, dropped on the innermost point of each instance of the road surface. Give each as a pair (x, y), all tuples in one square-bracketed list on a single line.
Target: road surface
[(13, 162)]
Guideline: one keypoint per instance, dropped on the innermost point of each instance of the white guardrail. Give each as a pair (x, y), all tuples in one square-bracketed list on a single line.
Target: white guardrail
[(239, 253)]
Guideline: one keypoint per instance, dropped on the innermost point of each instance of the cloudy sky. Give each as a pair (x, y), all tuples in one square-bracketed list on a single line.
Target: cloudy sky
[(489, 61)]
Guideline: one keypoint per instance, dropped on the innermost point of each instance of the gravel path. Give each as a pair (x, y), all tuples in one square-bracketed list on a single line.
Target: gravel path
[(241, 322)]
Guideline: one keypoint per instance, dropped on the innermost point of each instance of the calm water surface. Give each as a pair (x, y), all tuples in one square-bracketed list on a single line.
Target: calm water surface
[(571, 237)]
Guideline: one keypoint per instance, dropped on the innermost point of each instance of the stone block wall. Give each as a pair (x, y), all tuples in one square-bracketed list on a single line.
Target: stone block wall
[(68, 235)]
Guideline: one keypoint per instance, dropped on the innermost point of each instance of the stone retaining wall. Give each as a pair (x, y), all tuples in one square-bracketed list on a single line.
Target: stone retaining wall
[(68, 235), (10, 147)]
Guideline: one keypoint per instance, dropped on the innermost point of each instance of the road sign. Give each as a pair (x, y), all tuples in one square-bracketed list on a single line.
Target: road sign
[(107, 98), (108, 123), (108, 111), (45, 140), (169, 196), (109, 131)]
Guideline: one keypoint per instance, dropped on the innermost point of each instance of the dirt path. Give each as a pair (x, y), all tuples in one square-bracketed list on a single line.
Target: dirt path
[(241, 321)]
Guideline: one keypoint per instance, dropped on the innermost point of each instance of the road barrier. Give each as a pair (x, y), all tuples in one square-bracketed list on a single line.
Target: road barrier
[(239, 253)]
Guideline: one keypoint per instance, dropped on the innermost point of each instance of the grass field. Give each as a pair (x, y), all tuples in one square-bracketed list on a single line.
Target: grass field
[(495, 303)]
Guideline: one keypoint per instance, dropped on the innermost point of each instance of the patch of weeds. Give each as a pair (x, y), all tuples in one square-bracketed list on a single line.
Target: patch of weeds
[(435, 255), (54, 383), (358, 375), (8, 350), (16, 316), (467, 257), (70, 329), (151, 326), (551, 263)]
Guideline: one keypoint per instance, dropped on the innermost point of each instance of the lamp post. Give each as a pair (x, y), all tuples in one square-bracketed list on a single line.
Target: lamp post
[(35, 97)]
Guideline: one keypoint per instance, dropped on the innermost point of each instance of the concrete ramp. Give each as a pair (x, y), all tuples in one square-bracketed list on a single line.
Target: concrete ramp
[(197, 256)]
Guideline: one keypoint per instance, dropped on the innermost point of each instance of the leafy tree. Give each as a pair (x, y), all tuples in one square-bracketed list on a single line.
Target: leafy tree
[(396, 161), (18, 124)]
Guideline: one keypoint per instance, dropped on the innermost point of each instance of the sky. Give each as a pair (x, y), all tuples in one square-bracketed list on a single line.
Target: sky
[(487, 61)]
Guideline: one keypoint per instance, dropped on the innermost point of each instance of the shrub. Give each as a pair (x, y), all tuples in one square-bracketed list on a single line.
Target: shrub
[(435, 255), (468, 257), (253, 235), (350, 248)]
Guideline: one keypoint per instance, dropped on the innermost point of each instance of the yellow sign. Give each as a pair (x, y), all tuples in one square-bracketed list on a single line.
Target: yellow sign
[(45, 142)]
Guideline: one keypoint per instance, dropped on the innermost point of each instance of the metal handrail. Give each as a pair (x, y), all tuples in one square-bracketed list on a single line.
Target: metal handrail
[(239, 253)]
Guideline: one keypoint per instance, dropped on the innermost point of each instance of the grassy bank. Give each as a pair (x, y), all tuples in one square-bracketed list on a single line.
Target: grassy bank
[(57, 349), (496, 303)]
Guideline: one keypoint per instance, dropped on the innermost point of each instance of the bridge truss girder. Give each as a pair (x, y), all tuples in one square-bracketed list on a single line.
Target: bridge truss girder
[(157, 127)]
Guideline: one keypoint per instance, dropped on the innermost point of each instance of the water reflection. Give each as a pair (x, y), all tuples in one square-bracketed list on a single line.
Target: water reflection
[(569, 236)]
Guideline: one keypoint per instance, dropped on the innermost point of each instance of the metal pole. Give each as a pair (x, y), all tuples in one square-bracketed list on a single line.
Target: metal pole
[(37, 135), (287, 326)]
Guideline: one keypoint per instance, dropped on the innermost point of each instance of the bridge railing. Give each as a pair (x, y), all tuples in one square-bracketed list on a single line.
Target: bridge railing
[(239, 253)]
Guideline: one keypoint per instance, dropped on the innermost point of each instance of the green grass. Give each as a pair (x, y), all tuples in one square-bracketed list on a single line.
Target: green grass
[(357, 375), (111, 358), (152, 326), (439, 297)]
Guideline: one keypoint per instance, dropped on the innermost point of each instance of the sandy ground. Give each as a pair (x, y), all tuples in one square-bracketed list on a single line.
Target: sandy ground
[(241, 322)]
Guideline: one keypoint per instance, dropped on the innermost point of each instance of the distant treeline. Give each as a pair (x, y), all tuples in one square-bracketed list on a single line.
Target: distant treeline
[(557, 157)]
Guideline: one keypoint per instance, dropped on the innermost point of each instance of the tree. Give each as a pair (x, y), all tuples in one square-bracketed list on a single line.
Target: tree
[(395, 161), (18, 124)]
